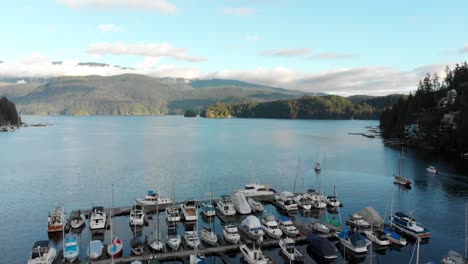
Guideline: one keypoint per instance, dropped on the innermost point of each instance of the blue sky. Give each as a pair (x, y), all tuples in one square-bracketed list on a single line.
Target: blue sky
[(343, 47)]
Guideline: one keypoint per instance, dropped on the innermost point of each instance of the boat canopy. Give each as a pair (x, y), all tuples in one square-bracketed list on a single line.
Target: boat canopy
[(371, 216), (402, 215), (251, 222), (152, 193), (284, 218), (98, 209), (357, 240), (321, 245)]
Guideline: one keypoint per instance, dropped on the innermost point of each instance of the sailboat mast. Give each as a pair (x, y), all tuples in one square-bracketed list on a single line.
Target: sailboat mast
[(391, 209), (417, 252), (466, 231), (112, 230), (297, 173)]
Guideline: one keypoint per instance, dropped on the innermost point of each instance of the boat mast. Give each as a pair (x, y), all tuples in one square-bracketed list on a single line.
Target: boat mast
[(297, 173), (391, 210), (112, 230), (417, 251), (466, 232)]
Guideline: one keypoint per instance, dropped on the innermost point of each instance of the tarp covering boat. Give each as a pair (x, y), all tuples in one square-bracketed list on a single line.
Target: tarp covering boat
[(322, 246), (240, 203), (251, 222), (371, 216)]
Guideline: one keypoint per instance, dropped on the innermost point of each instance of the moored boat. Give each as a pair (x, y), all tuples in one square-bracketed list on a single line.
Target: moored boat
[(432, 169), (152, 198), (137, 246), (377, 236), (399, 178), (252, 227), (270, 226), (288, 247), (319, 228), (408, 226), (207, 207), (357, 221), (322, 247), (95, 249), (252, 255), (304, 202), (255, 205), (225, 206), (172, 214), (231, 233), (286, 225), (115, 248), (257, 189), (137, 216), (77, 219), (394, 237), (285, 201), (353, 241), (240, 203), (56, 220), (98, 218), (189, 210), (173, 238), (209, 237), (72, 249), (42, 253)]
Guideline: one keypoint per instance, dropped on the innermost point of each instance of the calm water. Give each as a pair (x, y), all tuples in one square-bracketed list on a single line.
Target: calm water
[(75, 162)]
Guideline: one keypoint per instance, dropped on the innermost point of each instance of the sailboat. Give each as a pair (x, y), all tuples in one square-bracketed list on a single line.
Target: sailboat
[(114, 249), (157, 244), (173, 238), (392, 235), (172, 212), (207, 206), (136, 218), (399, 178)]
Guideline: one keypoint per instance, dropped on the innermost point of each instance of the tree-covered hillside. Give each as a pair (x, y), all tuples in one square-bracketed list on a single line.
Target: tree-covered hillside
[(8, 113)]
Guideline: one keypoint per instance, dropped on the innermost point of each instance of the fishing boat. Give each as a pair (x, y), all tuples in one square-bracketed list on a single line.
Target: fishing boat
[(42, 253), (240, 203), (353, 241), (172, 214), (137, 246), (97, 219), (287, 227), (399, 178), (319, 227), (432, 169), (322, 247), (77, 219), (137, 216), (270, 226), (231, 233), (378, 236), (257, 189), (252, 227), (252, 255), (189, 210), (207, 207), (255, 205), (288, 247), (408, 226), (152, 198), (56, 220), (173, 238), (95, 249), (225, 206), (285, 201), (358, 221), (208, 236), (72, 249)]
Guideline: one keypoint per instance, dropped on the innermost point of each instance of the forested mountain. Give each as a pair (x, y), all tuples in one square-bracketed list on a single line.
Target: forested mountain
[(306, 107), (132, 94), (435, 116), (8, 114)]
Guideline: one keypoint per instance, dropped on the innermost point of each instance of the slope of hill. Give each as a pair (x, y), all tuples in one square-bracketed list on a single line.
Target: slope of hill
[(132, 94)]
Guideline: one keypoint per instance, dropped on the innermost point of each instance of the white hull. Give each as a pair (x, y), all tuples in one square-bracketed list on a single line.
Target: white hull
[(319, 227), (192, 240), (374, 239), (253, 256), (255, 205), (400, 242), (95, 250), (231, 234), (354, 249), (209, 237), (174, 242), (77, 223), (156, 245)]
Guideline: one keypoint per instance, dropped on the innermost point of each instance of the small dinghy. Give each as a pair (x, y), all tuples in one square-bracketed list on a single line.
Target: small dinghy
[(432, 169), (137, 246), (95, 249), (77, 219), (114, 249)]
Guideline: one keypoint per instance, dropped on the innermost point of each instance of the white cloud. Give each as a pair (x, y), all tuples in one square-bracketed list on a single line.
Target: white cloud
[(21, 82), (286, 52), (147, 5), (332, 56), (464, 49), (254, 37), (109, 28), (372, 80), (156, 50), (238, 11)]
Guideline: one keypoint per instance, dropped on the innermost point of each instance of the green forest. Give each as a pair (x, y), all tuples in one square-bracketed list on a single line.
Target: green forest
[(8, 113), (435, 116), (306, 107)]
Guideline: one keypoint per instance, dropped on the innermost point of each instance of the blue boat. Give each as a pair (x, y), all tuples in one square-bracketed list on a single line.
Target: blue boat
[(353, 241), (394, 237), (407, 225)]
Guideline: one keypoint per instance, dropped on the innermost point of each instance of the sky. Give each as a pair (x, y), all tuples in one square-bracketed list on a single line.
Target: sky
[(338, 47)]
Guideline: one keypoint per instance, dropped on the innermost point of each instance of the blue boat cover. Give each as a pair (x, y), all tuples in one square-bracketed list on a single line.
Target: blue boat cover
[(284, 218), (152, 192), (321, 245)]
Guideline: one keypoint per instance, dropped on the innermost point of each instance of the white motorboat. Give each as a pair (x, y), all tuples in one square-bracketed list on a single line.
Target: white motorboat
[(240, 203), (208, 236), (152, 198), (252, 255), (408, 226), (303, 202), (172, 214), (77, 219), (196, 259), (288, 247), (319, 228), (42, 253), (191, 238), (137, 216), (257, 189), (317, 167), (72, 249), (207, 207), (255, 205), (286, 225), (189, 210), (173, 238), (332, 201), (252, 227), (394, 237), (225, 206), (156, 245), (454, 257), (231, 233), (358, 221), (270, 226), (56, 220), (378, 236), (432, 169), (318, 200), (353, 241), (285, 201), (98, 218), (137, 246), (95, 249)]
